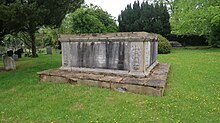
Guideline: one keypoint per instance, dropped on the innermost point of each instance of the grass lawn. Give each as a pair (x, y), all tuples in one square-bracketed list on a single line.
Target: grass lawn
[(192, 95)]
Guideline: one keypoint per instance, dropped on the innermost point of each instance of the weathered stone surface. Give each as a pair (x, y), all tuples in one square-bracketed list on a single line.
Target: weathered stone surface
[(111, 79), (158, 76), (138, 89), (9, 63), (95, 83), (113, 60), (134, 81), (154, 84), (115, 51), (73, 80), (99, 71), (109, 36)]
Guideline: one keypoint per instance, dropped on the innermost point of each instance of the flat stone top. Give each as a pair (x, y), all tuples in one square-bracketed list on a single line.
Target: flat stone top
[(109, 36)]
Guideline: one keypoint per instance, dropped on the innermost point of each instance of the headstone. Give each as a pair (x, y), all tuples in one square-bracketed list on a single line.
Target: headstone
[(15, 57), (49, 50), (9, 62)]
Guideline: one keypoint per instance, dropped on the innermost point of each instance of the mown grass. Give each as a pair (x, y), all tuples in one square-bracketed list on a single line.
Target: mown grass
[(192, 94)]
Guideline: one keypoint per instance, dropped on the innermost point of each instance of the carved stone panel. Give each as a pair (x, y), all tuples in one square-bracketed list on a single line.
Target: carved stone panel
[(65, 49), (136, 57), (127, 56), (132, 52), (147, 54), (73, 54)]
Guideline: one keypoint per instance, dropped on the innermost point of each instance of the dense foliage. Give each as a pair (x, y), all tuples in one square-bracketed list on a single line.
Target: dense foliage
[(164, 46), (200, 17), (189, 40), (30, 15), (89, 19), (145, 17), (214, 37), (48, 36)]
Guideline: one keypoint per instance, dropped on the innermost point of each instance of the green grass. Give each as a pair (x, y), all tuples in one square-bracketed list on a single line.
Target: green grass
[(192, 94)]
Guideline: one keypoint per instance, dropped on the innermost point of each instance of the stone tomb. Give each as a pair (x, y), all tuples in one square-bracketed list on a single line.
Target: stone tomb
[(120, 53), (111, 60)]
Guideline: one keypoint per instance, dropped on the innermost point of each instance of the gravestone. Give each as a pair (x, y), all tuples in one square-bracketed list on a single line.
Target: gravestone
[(15, 57), (9, 62), (49, 50)]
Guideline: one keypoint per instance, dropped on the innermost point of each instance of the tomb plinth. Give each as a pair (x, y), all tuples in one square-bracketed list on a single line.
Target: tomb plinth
[(120, 61), (125, 53)]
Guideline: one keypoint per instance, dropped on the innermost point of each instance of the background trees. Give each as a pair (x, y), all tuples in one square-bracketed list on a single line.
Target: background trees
[(199, 17), (88, 19), (145, 17), (30, 15)]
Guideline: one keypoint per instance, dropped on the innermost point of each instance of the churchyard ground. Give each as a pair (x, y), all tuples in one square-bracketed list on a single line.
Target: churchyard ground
[(192, 94)]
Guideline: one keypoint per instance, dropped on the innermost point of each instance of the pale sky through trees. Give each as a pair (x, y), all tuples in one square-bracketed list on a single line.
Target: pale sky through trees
[(113, 7)]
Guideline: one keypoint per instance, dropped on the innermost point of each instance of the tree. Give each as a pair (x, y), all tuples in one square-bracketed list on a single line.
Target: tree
[(145, 17), (214, 37), (48, 36), (30, 15), (195, 17), (89, 19), (169, 4)]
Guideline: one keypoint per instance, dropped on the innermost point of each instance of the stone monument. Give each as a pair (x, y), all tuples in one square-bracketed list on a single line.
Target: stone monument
[(128, 53), (120, 61)]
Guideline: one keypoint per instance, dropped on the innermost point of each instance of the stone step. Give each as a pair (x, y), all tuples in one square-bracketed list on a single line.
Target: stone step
[(154, 84)]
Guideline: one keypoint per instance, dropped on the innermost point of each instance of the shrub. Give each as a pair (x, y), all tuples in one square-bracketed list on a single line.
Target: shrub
[(164, 46)]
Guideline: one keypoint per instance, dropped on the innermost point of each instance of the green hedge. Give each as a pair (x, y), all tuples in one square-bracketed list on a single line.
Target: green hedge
[(164, 46)]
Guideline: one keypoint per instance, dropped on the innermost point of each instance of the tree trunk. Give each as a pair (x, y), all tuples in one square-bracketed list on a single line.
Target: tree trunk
[(33, 45)]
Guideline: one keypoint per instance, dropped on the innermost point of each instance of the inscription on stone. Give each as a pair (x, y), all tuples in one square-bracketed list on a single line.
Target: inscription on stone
[(136, 53), (64, 51), (130, 52)]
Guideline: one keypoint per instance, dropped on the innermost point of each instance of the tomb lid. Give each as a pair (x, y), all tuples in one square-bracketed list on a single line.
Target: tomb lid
[(143, 36)]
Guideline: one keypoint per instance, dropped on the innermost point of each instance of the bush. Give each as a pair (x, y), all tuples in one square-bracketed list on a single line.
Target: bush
[(164, 46), (189, 40)]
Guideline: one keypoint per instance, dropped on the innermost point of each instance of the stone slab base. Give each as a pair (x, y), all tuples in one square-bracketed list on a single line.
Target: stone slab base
[(153, 84)]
